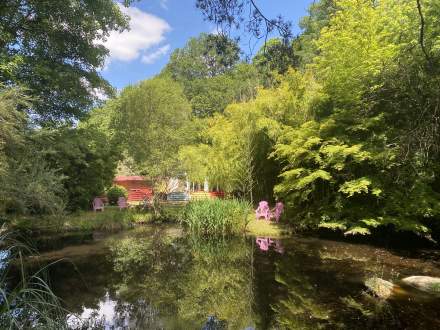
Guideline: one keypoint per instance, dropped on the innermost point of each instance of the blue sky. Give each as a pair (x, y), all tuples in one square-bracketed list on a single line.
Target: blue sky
[(160, 26)]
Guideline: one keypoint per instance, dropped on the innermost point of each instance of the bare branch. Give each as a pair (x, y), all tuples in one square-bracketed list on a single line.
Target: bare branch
[(422, 32), (232, 14)]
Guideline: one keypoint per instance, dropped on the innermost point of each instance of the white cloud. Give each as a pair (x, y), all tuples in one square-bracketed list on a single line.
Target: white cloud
[(152, 57), (146, 31)]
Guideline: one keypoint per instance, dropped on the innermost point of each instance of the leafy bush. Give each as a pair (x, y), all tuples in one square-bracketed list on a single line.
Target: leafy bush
[(115, 192), (216, 216), (85, 157)]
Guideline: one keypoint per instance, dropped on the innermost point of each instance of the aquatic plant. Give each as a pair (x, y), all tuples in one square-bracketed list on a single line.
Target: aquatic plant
[(27, 300), (216, 216)]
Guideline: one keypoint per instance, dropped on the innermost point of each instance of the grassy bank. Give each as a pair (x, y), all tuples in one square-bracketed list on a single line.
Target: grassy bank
[(112, 219), (267, 228)]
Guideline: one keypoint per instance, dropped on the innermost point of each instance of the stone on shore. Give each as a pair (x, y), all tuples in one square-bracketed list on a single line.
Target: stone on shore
[(379, 287), (424, 283)]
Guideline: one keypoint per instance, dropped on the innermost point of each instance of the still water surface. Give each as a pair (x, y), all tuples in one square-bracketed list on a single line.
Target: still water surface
[(158, 278)]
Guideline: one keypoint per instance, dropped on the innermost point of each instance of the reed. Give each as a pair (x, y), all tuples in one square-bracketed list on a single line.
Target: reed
[(26, 299), (216, 216)]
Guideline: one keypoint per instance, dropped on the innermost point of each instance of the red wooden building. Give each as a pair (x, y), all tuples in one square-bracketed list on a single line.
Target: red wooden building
[(137, 186)]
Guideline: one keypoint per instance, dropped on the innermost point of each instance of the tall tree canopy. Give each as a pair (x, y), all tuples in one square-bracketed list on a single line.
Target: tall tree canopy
[(209, 70), (53, 49), (368, 154), (150, 121), (275, 55), (207, 56)]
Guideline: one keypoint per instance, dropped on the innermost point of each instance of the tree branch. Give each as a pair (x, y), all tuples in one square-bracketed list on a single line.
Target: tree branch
[(422, 32)]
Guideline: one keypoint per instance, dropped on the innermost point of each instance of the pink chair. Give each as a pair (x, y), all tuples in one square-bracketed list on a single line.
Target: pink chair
[(263, 243), (122, 203), (98, 204), (263, 210), (277, 211)]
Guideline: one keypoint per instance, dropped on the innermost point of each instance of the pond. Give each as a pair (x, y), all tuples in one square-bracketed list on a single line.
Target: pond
[(159, 278)]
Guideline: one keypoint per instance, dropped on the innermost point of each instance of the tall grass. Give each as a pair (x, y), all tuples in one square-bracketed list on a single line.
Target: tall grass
[(26, 300), (216, 216)]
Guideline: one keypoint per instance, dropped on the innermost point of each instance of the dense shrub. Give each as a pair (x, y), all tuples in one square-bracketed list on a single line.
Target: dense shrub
[(216, 216), (85, 157), (114, 193)]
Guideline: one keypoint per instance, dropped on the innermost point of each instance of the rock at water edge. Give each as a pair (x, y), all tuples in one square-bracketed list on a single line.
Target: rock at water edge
[(381, 288)]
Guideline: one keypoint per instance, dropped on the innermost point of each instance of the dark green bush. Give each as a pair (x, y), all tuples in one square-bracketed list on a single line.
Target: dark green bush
[(114, 193)]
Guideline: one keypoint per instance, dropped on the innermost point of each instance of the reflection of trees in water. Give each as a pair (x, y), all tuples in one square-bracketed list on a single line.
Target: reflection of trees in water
[(219, 282), (185, 281), (150, 268), (322, 293), (300, 308), (152, 280), (285, 287)]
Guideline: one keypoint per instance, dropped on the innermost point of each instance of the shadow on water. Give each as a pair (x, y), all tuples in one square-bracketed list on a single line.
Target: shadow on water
[(158, 278)]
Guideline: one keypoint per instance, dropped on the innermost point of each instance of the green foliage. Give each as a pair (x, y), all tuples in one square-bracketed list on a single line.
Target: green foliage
[(276, 56), (114, 192), (318, 17), (28, 183), (211, 76), (33, 187), (85, 157), (216, 216), (54, 49), (150, 124), (354, 164), (209, 55)]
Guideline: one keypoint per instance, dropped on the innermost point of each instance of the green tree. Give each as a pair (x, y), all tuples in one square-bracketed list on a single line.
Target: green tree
[(276, 56), (209, 70), (207, 56), (85, 157), (28, 184), (51, 48), (319, 13), (365, 156), (150, 123)]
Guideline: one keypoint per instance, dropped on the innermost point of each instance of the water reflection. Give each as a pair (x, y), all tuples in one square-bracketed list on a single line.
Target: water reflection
[(157, 278), (265, 242)]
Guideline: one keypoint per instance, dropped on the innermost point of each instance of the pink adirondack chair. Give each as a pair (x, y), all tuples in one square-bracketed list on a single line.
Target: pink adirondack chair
[(122, 203), (98, 204), (277, 211), (263, 243), (263, 210)]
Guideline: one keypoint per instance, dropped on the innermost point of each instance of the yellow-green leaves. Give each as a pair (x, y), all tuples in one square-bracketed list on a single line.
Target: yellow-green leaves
[(358, 186), (362, 39)]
